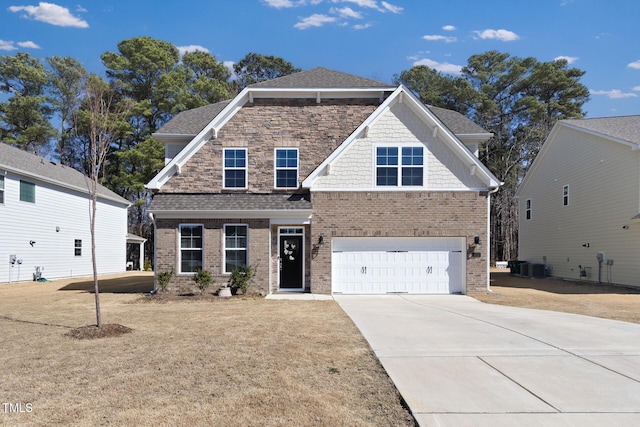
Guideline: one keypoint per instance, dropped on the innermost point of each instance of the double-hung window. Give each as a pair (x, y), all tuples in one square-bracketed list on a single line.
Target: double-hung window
[(286, 168), (400, 166), (527, 208), (77, 247), (235, 247), (565, 195), (235, 168), (1, 189), (27, 191), (191, 248)]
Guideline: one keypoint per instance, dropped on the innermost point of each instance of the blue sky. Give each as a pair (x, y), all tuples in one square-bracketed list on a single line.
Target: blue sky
[(369, 38)]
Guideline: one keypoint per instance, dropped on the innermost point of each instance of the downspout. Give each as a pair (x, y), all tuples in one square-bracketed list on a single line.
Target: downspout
[(155, 265), (489, 237)]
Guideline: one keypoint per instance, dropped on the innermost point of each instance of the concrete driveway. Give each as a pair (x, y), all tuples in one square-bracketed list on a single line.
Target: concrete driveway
[(459, 362)]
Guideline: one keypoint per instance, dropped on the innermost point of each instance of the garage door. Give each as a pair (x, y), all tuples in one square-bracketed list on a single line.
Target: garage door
[(381, 265)]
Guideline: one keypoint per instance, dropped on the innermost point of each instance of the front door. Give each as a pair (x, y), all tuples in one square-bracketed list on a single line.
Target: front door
[(291, 259)]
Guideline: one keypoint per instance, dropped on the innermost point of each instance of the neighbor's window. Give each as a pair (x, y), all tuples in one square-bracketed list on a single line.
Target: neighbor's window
[(77, 247), (565, 195), (287, 168), (1, 189), (235, 247), (27, 191), (527, 208), (400, 166), (191, 248), (235, 168)]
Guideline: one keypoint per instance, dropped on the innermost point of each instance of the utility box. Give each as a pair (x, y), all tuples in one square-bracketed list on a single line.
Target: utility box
[(537, 271)]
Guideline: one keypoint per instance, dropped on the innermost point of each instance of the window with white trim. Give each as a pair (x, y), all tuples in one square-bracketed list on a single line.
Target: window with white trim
[(1, 189), (286, 168), (527, 208), (565, 195), (235, 246), (191, 247), (27, 191), (400, 166), (77, 247), (235, 168)]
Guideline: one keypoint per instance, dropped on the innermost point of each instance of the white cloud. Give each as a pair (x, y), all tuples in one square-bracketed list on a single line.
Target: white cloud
[(449, 28), (315, 20), (81, 9), (392, 8), (502, 35), (279, 4), (362, 3), (636, 88), (443, 67), (613, 94), (569, 59), (634, 65), (346, 12), (435, 38), (51, 14), (191, 48), (361, 26), (28, 45), (7, 45)]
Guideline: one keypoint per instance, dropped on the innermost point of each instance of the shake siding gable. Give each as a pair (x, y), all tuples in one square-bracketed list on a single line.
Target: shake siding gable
[(354, 168), (604, 181)]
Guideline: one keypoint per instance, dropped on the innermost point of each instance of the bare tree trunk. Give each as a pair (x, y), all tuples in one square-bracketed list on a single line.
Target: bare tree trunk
[(96, 290)]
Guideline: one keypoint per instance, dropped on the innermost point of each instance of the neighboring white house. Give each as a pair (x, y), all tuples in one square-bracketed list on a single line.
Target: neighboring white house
[(579, 205), (44, 221)]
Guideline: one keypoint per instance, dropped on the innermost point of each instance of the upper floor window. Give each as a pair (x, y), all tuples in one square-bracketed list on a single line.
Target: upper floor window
[(235, 168), (287, 168), (77, 247), (27, 191), (527, 208), (1, 189), (191, 248), (565, 195), (400, 166)]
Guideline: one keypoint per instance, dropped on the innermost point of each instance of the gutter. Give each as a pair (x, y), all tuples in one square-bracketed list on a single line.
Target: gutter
[(155, 265), (489, 235)]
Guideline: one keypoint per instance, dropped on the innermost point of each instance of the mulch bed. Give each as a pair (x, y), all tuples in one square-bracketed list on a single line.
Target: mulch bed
[(93, 331)]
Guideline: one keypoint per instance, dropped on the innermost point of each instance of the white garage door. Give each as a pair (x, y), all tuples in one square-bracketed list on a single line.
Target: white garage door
[(381, 265)]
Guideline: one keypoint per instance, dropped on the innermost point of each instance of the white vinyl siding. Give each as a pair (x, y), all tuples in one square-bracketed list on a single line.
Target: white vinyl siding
[(604, 196)]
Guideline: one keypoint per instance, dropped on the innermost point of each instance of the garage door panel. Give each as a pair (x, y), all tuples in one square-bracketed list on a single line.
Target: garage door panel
[(366, 269)]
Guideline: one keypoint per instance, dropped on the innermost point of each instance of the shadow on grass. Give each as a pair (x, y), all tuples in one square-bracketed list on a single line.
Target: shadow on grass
[(119, 285), (558, 286)]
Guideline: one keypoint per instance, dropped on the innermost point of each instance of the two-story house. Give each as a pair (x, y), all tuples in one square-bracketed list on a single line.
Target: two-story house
[(328, 183), (44, 221)]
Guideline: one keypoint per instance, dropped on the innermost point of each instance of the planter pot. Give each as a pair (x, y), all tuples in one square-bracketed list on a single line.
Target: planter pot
[(224, 292)]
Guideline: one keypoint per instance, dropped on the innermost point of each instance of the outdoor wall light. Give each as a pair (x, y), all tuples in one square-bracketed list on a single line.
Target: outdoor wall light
[(476, 241), (321, 240), (626, 227), (586, 245), (32, 242)]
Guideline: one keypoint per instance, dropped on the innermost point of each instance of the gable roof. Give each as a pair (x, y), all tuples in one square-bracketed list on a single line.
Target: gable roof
[(623, 129), (320, 77), (26, 164), (316, 83)]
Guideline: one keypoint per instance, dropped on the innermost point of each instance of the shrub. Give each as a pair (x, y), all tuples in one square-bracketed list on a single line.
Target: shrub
[(147, 265), (241, 278), (163, 278), (203, 279)]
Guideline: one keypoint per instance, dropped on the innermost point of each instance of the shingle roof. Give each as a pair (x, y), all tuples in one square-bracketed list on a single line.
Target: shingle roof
[(321, 78), (23, 163), (456, 122), (626, 128), (190, 122), (228, 202)]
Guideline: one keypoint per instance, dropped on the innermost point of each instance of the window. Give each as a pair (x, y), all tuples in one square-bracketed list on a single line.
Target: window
[(235, 168), (1, 189), (191, 248), (287, 168), (77, 247), (235, 247), (400, 167), (527, 208), (565, 195), (27, 191)]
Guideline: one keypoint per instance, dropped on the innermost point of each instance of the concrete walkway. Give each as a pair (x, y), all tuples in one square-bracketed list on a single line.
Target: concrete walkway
[(459, 362)]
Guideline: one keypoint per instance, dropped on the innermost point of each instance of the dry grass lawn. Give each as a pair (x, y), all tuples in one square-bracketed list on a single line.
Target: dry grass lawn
[(588, 298), (238, 362)]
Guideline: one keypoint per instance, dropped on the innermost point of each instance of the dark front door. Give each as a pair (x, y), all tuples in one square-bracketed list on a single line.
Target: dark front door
[(291, 258)]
